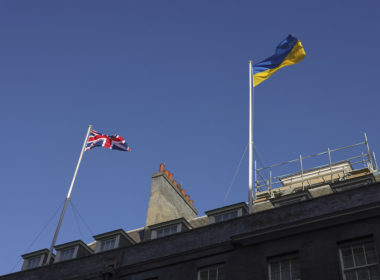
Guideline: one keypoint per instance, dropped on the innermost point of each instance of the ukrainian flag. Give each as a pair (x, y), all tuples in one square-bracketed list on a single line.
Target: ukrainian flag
[(288, 52)]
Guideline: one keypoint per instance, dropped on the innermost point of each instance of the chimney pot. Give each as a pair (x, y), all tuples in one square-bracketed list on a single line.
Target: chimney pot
[(166, 172), (183, 191), (171, 176), (187, 197), (175, 183), (191, 201), (162, 167), (179, 186)]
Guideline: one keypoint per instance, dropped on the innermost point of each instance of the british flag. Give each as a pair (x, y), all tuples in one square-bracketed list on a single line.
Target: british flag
[(113, 142)]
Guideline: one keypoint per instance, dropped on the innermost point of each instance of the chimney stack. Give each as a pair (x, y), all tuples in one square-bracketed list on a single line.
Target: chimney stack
[(168, 201)]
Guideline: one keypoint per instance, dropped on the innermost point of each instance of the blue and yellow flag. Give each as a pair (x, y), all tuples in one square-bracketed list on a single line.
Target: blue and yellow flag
[(288, 52)]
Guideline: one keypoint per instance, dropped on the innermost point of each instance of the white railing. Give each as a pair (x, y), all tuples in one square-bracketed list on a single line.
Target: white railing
[(293, 174)]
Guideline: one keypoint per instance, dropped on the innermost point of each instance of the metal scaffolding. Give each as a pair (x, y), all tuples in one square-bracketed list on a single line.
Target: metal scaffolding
[(293, 174)]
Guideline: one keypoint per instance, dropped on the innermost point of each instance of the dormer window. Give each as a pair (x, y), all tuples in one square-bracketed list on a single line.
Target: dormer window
[(34, 262), (227, 213), (35, 259), (112, 240), (108, 244), (226, 216), (72, 250), (67, 254), (169, 228)]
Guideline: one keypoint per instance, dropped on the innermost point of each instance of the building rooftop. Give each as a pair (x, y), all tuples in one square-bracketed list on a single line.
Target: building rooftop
[(172, 226)]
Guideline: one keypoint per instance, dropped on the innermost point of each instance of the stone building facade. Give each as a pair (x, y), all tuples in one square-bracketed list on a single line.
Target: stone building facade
[(328, 231)]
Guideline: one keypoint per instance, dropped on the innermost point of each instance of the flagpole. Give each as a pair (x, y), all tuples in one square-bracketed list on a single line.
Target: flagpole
[(250, 193), (68, 197)]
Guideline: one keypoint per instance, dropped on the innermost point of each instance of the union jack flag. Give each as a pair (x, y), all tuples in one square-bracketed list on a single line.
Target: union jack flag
[(112, 142)]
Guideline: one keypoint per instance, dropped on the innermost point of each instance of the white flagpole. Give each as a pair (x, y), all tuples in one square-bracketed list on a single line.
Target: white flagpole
[(68, 197), (250, 193)]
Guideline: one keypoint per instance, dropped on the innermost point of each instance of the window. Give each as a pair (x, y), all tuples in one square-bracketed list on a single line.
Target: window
[(167, 231), (227, 213), (290, 199), (168, 228), (112, 240), (215, 272), (359, 260), (284, 268), (67, 254), (226, 216), (108, 244), (34, 262)]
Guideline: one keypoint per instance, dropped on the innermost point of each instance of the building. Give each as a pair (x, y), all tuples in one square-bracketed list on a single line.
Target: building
[(320, 223)]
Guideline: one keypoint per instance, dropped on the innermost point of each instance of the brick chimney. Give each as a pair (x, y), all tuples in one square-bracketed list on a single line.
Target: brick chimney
[(168, 200)]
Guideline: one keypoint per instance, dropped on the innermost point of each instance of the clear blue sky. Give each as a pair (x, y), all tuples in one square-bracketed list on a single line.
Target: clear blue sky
[(172, 78)]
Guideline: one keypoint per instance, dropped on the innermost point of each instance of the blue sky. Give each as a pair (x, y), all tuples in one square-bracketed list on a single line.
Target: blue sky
[(172, 78)]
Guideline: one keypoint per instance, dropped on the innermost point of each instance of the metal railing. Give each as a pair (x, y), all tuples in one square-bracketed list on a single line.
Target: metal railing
[(356, 157)]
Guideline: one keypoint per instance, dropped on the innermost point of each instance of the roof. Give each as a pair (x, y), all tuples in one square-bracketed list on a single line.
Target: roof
[(72, 244), (171, 222), (35, 253), (114, 233), (227, 208)]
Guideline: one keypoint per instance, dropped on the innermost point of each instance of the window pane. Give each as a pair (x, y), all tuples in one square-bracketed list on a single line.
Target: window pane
[(348, 260), (285, 270), (225, 217), (363, 274), (108, 244), (370, 253), (212, 274), (174, 229), (32, 263), (215, 272), (221, 273), (166, 231), (359, 256), (295, 270), (374, 272), (275, 275), (234, 214), (346, 251), (203, 275), (275, 271), (67, 254), (350, 275)]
